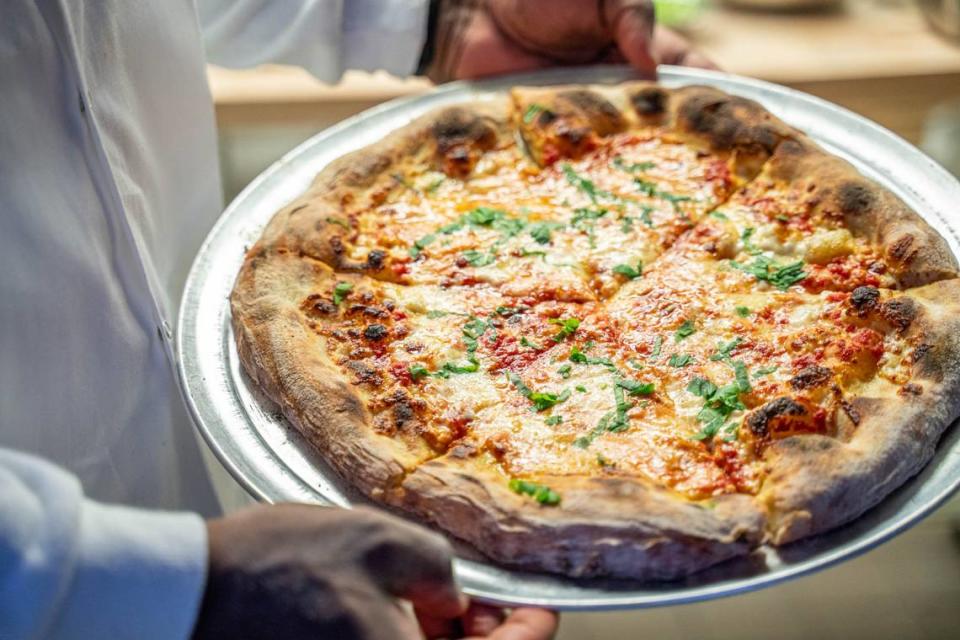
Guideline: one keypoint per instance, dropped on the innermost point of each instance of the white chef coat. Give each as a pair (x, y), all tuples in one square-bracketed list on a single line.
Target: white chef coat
[(108, 183)]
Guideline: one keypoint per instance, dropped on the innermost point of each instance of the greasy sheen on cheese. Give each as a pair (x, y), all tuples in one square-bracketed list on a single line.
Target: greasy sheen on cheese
[(634, 309)]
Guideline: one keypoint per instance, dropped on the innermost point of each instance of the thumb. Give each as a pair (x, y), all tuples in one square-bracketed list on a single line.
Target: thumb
[(416, 565), (631, 26)]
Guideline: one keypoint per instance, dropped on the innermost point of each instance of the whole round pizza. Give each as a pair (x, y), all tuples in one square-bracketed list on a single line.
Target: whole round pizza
[(607, 331)]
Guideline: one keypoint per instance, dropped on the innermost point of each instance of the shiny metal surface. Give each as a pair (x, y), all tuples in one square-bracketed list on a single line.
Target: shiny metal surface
[(272, 462)]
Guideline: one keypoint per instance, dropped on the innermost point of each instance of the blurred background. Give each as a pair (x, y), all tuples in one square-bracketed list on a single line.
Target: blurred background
[(896, 62)]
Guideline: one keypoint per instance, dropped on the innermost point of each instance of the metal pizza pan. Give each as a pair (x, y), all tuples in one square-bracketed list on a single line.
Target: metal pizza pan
[(271, 461)]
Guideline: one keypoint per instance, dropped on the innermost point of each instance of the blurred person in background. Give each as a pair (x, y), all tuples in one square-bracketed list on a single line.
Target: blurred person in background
[(109, 182)]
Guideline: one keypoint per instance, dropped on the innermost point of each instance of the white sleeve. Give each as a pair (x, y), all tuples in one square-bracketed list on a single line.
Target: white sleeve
[(326, 37), (71, 568)]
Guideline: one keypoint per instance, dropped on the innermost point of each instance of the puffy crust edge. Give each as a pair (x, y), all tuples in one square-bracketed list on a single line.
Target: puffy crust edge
[(280, 352), (817, 483), (609, 526)]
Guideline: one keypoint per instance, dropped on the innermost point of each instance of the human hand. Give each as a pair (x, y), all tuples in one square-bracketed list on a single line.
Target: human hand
[(482, 622), (297, 571), (476, 38)]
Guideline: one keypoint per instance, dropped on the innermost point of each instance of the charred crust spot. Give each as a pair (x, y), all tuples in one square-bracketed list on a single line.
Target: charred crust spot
[(811, 377), (298, 208), (864, 298), (455, 127), (375, 259), (375, 332), (605, 118), (759, 420), (402, 413), (546, 117), (900, 312), (336, 245), (315, 304), (718, 119), (649, 101), (364, 373), (854, 198), (573, 136), (367, 310), (792, 149), (910, 389), (851, 412), (902, 249), (922, 350)]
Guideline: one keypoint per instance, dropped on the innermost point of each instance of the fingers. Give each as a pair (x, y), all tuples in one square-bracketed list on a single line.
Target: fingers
[(482, 620), (631, 24), (412, 563), (671, 48), (525, 624)]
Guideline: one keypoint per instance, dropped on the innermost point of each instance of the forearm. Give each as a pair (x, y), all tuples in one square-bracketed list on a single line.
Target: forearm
[(73, 568), (326, 37)]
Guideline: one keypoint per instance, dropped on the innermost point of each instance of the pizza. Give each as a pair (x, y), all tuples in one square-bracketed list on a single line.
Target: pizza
[(624, 331)]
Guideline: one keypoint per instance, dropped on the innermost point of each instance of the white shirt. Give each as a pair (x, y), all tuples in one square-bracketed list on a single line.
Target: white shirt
[(108, 184)]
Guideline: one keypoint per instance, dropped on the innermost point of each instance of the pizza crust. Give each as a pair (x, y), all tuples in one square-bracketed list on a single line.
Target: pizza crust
[(817, 483), (607, 526)]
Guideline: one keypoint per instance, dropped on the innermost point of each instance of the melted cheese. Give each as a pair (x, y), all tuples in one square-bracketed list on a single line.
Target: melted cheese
[(562, 233)]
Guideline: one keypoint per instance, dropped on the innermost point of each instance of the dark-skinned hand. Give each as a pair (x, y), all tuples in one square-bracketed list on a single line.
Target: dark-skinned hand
[(477, 38), (297, 572)]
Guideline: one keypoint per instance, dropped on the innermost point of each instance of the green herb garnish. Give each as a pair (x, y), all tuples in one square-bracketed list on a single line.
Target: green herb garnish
[(780, 276), (685, 330), (579, 357), (541, 493), (541, 400), (533, 111), (338, 221), (421, 244), (747, 245), (645, 217), (340, 291), (479, 258), (657, 345), (635, 388), (553, 420), (628, 271), (540, 231), (568, 327), (417, 371), (633, 167), (719, 403), (743, 312), (724, 349), (531, 345), (679, 360)]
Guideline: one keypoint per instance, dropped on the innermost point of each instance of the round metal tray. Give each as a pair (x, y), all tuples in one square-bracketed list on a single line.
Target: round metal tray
[(274, 463)]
